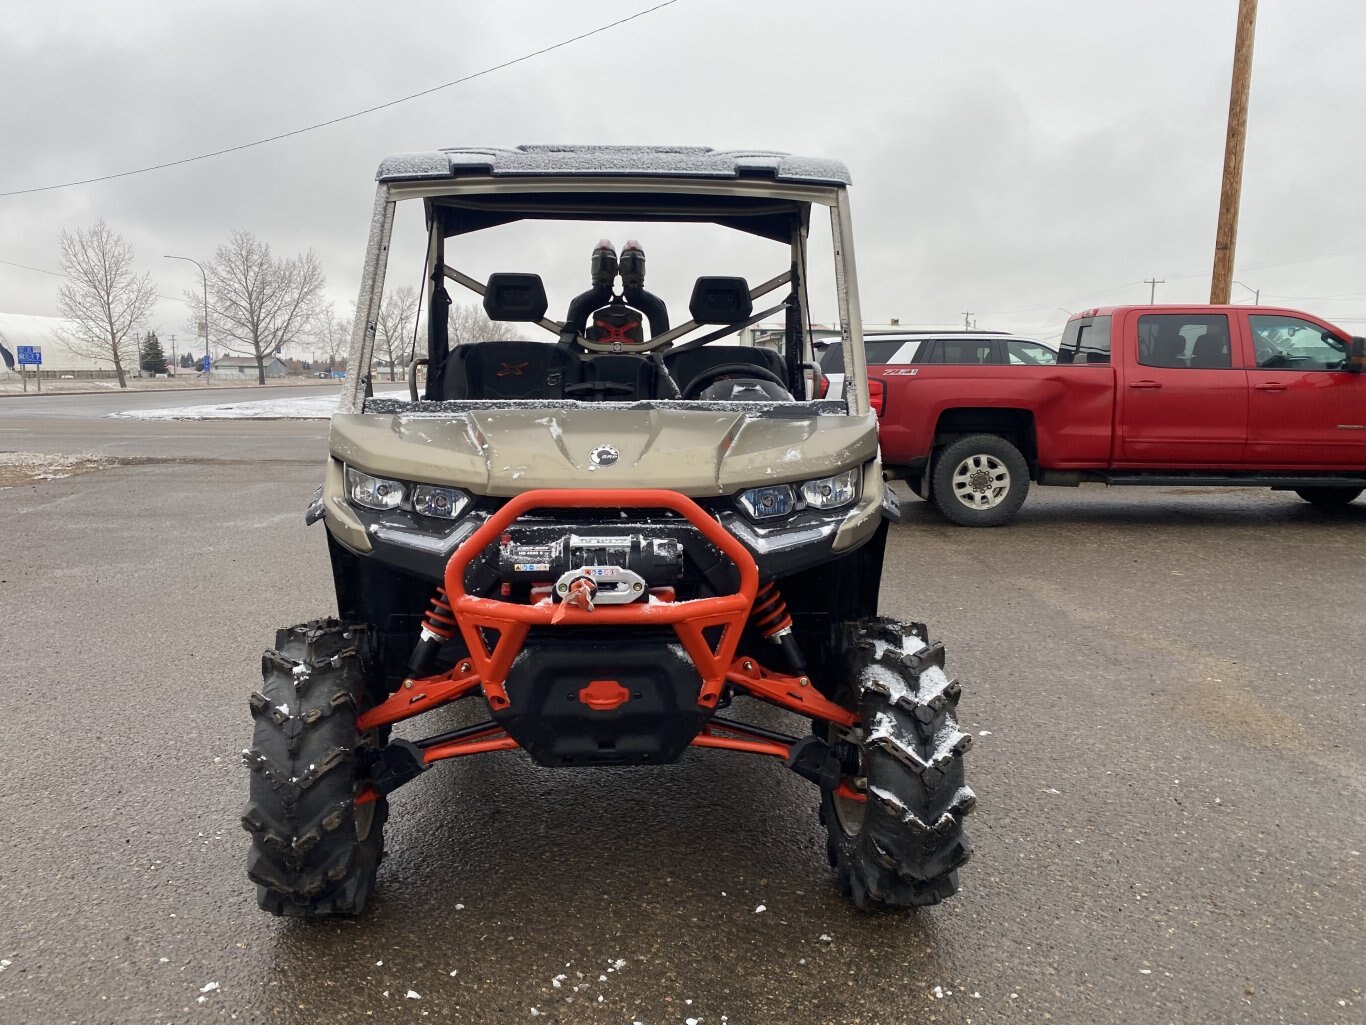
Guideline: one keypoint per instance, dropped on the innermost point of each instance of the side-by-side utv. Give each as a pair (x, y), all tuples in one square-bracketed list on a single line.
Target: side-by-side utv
[(612, 538)]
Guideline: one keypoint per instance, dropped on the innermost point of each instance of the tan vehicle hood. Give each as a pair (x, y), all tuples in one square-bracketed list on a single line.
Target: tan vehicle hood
[(504, 452)]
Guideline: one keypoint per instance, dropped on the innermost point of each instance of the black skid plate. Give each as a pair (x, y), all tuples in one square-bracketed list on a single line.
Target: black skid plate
[(602, 697)]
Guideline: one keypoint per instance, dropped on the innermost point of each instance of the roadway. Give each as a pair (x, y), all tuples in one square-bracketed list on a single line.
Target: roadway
[(1166, 686)]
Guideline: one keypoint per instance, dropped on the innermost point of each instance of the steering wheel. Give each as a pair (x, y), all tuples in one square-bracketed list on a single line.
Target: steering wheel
[(1269, 357), (708, 377)]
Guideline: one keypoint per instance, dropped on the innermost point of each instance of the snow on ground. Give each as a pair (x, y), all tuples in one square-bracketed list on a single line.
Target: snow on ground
[(306, 407), (27, 467)]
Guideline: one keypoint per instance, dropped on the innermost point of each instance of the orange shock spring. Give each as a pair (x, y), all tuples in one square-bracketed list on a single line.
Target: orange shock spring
[(440, 620), (769, 615)]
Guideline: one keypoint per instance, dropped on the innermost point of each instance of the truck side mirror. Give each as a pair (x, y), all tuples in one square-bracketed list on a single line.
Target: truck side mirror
[(1356, 356)]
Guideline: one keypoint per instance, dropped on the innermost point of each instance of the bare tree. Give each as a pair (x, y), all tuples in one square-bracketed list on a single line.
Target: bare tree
[(394, 331), (469, 323), (103, 297), (331, 336), (262, 303)]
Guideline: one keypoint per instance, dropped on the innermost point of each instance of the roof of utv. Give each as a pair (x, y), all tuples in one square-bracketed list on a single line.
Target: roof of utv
[(611, 162)]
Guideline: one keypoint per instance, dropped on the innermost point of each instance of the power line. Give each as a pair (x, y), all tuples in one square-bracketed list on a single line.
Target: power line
[(346, 117), (39, 270), (59, 274)]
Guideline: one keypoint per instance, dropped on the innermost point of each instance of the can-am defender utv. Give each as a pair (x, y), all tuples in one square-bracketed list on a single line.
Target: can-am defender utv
[(609, 537)]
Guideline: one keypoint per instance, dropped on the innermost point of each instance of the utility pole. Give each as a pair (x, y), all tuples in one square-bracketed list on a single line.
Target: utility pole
[(173, 356), (204, 277), (1226, 236), (967, 320), (1152, 292)]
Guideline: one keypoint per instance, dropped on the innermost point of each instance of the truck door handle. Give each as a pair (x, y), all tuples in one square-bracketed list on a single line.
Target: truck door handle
[(1144, 385), (1269, 387)]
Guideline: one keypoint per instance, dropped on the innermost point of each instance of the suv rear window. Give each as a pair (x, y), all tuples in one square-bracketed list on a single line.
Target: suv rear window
[(876, 351)]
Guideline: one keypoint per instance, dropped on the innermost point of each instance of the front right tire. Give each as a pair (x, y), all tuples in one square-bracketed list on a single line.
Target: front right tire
[(317, 829)]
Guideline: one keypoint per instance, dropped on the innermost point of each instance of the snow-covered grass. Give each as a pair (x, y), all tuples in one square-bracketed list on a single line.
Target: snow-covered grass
[(27, 467), (306, 407), (10, 384)]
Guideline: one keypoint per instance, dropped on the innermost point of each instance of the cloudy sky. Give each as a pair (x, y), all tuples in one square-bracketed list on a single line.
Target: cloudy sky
[(1010, 158)]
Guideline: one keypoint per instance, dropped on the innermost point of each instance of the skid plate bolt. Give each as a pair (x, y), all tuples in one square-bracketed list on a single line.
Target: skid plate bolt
[(749, 666), (464, 667), (562, 588), (637, 586), (407, 684), (804, 681)]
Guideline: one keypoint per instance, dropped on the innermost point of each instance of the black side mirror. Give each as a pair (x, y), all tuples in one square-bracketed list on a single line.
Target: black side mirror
[(718, 300), (1356, 356), (519, 298)]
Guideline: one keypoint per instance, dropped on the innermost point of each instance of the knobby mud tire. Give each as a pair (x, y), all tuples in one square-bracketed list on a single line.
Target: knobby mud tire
[(910, 843), (314, 850)]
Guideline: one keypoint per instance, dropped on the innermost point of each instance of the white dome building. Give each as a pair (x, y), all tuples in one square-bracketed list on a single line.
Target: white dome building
[(59, 358)]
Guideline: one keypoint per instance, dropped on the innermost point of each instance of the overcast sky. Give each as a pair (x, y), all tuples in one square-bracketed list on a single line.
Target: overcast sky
[(1009, 158)]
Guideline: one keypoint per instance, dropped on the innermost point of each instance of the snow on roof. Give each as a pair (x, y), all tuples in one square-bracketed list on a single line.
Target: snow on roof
[(608, 161)]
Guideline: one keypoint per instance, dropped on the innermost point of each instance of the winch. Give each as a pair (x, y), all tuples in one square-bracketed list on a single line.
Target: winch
[(621, 568)]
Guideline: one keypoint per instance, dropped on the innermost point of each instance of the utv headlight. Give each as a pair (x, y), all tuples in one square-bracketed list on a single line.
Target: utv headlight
[(443, 503), (768, 503), (373, 492), (832, 492)]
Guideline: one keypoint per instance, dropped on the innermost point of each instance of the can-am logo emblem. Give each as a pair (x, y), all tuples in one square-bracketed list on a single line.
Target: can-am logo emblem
[(604, 455)]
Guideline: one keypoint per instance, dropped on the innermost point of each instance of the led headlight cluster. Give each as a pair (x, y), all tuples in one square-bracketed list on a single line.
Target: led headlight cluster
[(380, 493), (775, 501)]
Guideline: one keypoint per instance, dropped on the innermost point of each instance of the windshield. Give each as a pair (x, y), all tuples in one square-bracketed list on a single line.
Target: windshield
[(524, 300)]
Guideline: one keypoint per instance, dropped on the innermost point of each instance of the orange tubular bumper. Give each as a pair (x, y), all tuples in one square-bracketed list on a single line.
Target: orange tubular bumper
[(487, 669)]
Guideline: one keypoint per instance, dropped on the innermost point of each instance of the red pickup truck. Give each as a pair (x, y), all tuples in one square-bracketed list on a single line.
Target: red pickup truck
[(1159, 395)]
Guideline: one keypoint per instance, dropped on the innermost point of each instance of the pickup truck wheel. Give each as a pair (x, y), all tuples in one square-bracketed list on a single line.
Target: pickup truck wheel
[(1329, 498), (980, 481)]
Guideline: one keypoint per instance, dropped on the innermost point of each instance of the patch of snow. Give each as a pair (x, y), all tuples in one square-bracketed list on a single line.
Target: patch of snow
[(208, 987), (284, 710), (825, 938), (305, 407), (412, 994), (759, 909)]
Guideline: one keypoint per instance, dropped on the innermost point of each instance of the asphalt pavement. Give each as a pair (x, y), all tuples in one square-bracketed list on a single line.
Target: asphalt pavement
[(1167, 689)]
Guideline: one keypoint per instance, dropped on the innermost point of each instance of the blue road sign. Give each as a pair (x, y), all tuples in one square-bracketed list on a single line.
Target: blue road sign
[(207, 364), (30, 355)]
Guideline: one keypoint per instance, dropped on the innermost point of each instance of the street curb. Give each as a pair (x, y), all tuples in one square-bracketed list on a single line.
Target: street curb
[(203, 389)]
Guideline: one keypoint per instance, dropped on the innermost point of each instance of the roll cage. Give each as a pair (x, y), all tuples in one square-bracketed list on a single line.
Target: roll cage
[(470, 199)]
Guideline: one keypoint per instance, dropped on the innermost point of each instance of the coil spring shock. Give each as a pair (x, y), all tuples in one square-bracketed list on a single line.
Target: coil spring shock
[(769, 614), (440, 620), (438, 627), (770, 617)]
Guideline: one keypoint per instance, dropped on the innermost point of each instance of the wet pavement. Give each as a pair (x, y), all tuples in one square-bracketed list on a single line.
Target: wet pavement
[(1168, 691)]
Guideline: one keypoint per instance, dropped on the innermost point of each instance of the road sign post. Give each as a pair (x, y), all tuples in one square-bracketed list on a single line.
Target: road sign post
[(30, 356)]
